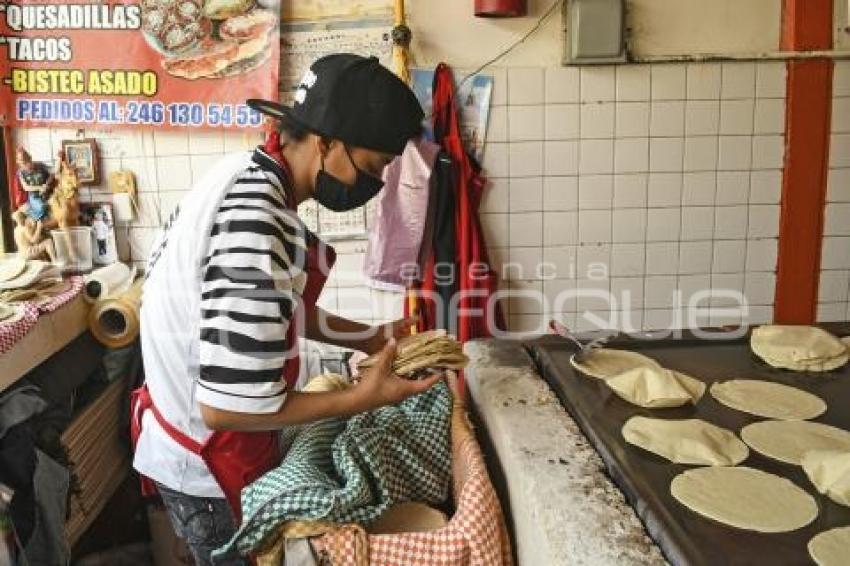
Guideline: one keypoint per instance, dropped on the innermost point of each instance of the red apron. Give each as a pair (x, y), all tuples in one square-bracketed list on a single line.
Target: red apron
[(236, 459)]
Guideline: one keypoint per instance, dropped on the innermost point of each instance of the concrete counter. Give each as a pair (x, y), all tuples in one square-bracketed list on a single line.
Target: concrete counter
[(564, 508)]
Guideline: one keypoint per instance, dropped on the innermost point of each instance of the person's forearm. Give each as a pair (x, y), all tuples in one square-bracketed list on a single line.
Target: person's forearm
[(323, 326), (299, 408)]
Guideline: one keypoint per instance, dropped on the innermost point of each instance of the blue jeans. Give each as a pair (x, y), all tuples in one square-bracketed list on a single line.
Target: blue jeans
[(205, 523)]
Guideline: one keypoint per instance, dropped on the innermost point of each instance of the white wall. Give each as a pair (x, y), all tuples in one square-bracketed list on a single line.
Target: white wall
[(697, 27), (447, 31)]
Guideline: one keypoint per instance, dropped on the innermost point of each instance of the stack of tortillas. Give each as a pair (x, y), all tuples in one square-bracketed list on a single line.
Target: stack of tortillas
[(640, 380), (799, 348), (431, 350), (11, 268)]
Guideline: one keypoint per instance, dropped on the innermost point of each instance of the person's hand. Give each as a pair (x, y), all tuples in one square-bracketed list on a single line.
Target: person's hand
[(379, 386), (383, 332)]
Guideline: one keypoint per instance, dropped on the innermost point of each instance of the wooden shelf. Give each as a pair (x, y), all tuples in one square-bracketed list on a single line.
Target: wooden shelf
[(51, 333)]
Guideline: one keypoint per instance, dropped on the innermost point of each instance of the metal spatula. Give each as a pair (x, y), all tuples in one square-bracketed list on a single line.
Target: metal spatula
[(584, 348)]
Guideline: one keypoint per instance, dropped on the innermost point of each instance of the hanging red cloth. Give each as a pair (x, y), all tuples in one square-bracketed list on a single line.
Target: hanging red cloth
[(476, 280)]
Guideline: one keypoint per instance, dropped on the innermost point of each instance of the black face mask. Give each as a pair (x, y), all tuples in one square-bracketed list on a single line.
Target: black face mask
[(334, 194)]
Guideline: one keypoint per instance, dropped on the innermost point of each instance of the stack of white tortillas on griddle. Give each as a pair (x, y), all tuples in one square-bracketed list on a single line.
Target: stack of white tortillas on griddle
[(768, 399), (690, 441), (799, 348), (424, 352)]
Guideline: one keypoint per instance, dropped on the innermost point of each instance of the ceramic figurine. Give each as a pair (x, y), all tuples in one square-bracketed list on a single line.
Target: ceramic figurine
[(37, 182), (64, 204), (30, 239)]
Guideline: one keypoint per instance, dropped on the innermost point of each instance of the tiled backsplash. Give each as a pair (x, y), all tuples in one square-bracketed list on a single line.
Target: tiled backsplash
[(634, 181), (834, 295)]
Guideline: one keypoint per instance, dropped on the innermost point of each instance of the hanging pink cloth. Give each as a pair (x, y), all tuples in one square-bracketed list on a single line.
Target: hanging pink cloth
[(396, 233)]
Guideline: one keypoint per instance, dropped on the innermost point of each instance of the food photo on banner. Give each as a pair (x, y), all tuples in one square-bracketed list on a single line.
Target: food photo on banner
[(175, 63)]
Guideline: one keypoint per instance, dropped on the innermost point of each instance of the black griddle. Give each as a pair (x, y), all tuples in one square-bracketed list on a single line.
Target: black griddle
[(685, 537)]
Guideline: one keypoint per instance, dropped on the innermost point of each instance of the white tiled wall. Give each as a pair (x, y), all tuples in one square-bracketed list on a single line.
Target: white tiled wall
[(834, 295), (641, 180), (638, 180)]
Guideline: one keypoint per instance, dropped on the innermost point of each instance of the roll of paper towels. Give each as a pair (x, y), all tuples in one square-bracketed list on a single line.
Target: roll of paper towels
[(108, 281)]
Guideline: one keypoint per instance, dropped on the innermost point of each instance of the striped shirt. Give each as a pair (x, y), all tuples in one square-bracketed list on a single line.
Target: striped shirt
[(222, 283)]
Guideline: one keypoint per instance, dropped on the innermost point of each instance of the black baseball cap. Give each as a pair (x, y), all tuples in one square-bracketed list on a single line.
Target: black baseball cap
[(353, 99)]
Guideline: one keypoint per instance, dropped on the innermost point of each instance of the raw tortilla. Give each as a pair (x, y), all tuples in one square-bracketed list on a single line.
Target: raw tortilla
[(829, 548), (829, 471), (745, 498), (768, 399), (799, 348), (603, 363), (11, 268), (656, 387), (690, 441), (788, 441)]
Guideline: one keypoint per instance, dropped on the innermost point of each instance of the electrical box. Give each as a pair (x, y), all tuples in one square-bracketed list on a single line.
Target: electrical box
[(595, 31)]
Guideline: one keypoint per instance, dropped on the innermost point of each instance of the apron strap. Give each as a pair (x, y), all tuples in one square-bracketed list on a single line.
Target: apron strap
[(182, 439)]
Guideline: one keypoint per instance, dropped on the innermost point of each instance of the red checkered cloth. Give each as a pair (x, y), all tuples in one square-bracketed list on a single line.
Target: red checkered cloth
[(475, 536), (19, 326), (62, 299)]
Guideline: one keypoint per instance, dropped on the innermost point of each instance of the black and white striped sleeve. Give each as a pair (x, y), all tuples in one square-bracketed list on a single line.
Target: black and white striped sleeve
[(247, 299)]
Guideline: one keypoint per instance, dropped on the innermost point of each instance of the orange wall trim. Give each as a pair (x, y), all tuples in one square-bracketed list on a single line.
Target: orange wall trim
[(806, 25), (807, 128)]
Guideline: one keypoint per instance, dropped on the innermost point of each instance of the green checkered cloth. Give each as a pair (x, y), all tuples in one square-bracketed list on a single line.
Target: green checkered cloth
[(351, 471)]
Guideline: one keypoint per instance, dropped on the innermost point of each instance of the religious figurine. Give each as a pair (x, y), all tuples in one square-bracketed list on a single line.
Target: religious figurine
[(64, 204), (36, 181), (30, 238)]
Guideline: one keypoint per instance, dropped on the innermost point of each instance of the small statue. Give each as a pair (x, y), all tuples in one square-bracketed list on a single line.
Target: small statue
[(37, 182), (30, 238), (64, 204)]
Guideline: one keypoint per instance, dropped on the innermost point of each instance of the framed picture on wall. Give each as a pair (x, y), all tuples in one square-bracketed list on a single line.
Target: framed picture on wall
[(99, 216), (83, 155)]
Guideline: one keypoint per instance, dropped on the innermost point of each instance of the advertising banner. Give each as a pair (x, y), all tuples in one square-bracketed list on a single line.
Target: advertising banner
[(137, 63)]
